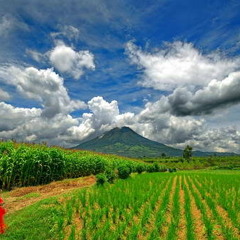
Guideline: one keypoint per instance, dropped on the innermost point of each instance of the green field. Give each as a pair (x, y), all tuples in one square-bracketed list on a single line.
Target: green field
[(183, 205), (28, 165)]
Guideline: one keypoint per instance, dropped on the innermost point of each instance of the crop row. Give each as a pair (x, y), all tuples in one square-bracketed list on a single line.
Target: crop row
[(156, 206), (26, 165)]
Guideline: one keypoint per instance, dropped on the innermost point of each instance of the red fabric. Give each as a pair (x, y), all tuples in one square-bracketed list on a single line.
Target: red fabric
[(2, 225)]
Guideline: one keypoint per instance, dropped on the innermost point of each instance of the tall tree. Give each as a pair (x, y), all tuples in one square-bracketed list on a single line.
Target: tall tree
[(187, 152)]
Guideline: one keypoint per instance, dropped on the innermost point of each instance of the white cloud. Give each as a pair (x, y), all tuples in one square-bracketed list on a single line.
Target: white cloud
[(225, 139), (6, 25), (165, 128), (103, 116), (12, 117), (62, 129), (67, 60), (4, 95), (9, 23), (44, 86), (68, 32), (184, 102), (37, 56), (180, 64)]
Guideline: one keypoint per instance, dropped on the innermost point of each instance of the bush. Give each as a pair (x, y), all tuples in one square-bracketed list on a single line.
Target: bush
[(124, 172), (153, 168), (110, 174), (101, 178), (140, 169)]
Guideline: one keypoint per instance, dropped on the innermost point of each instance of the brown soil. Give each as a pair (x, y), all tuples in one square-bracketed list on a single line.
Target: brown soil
[(227, 221), (151, 224), (199, 228), (18, 199), (217, 230), (169, 214), (224, 215), (78, 223), (182, 233)]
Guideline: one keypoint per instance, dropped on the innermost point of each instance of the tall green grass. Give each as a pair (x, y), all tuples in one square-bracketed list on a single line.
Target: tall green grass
[(26, 165)]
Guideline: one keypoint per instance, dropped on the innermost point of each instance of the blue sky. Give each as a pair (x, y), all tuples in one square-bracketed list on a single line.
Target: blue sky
[(78, 68)]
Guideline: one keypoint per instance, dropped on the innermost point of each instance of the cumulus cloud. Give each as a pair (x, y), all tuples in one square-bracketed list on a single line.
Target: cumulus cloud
[(164, 127), (28, 124), (220, 140), (44, 86), (67, 60), (180, 64), (183, 102), (103, 116), (12, 117), (4, 95), (39, 129)]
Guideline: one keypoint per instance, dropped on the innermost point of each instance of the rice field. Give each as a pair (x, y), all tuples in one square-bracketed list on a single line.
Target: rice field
[(160, 206), (182, 205)]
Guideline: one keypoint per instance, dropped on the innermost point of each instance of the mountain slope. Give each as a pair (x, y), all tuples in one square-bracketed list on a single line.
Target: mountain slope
[(124, 141)]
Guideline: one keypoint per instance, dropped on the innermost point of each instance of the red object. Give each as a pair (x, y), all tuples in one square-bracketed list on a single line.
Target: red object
[(2, 213)]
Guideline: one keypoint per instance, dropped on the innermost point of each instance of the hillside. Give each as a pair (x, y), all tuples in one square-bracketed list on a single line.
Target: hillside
[(125, 142)]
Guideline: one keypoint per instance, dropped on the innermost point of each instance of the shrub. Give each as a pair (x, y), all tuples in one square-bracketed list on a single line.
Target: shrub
[(110, 174), (153, 168), (124, 172), (101, 178), (140, 169)]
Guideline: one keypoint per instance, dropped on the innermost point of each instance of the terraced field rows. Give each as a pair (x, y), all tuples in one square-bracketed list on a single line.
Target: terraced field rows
[(187, 205), (159, 206)]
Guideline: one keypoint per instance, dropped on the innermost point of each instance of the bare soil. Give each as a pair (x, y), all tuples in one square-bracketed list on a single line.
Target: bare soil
[(182, 231), (22, 197)]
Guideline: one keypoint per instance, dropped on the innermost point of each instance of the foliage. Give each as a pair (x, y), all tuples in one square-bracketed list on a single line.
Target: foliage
[(26, 164), (111, 175), (101, 178), (187, 152), (124, 172)]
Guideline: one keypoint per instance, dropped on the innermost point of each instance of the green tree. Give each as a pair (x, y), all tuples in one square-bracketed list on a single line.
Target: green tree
[(163, 155), (187, 153)]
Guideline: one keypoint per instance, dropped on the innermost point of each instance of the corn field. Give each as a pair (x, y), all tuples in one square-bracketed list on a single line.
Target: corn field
[(28, 165)]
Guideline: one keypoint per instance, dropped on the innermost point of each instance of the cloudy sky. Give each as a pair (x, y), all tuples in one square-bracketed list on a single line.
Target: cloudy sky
[(170, 70)]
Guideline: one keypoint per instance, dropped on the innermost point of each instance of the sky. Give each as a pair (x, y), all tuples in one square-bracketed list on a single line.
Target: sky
[(170, 70)]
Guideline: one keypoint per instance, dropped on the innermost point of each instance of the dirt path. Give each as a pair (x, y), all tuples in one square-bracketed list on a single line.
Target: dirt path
[(169, 212), (25, 196), (182, 231), (199, 227)]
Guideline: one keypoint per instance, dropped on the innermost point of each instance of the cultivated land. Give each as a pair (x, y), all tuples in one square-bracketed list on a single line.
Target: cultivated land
[(182, 205)]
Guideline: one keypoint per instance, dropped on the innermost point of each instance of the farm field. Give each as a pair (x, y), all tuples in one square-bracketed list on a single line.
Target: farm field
[(183, 205)]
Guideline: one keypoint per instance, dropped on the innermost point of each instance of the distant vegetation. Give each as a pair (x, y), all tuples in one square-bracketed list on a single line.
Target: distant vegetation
[(26, 165), (210, 162)]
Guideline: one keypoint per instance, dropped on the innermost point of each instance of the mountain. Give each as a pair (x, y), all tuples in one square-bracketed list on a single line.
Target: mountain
[(125, 142)]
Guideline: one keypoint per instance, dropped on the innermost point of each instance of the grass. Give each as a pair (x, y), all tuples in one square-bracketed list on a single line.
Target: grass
[(145, 206)]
